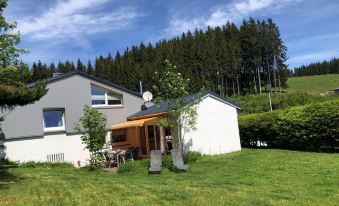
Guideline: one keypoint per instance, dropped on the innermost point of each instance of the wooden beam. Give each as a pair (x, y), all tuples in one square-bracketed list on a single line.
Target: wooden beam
[(162, 140), (155, 137), (160, 114), (147, 142)]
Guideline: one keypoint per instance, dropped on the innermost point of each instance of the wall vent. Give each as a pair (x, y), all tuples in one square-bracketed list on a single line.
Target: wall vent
[(60, 157)]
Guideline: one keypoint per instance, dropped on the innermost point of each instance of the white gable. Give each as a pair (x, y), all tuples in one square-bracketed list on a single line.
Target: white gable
[(217, 128)]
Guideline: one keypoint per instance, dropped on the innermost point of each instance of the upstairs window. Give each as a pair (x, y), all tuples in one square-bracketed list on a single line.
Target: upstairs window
[(104, 97), (54, 120)]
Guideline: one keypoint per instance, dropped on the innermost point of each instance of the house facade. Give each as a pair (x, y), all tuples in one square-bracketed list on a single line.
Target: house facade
[(44, 130), (217, 130)]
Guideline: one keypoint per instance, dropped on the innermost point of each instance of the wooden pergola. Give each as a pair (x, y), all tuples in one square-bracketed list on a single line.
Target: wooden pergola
[(141, 133)]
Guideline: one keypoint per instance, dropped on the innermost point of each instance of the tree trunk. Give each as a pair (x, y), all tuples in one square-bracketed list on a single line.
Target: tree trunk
[(222, 86), (238, 85), (275, 81), (259, 80), (269, 79), (226, 87), (279, 82), (233, 87), (255, 85)]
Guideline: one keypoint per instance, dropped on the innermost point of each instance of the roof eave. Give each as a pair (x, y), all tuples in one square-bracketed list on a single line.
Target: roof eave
[(70, 74)]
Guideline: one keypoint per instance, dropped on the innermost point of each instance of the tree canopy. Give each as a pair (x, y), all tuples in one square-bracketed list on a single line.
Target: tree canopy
[(228, 60), (13, 89), (325, 67), (181, 116)]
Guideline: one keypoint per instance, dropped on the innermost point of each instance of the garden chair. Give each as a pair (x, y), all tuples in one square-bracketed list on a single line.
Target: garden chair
[(111, 159), (129, 154), (155, 164), (177, 160)]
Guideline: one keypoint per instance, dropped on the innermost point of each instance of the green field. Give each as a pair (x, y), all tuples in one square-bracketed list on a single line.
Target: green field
[(249, 177), (313, 84)]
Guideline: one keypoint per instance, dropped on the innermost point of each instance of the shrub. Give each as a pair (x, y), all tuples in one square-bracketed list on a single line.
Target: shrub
[(258, 127), (5, 162), (34, 164), (92, 127), (259, 103), (191, 157), (306, 127)]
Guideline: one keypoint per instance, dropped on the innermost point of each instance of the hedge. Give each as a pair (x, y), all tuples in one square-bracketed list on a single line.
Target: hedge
[(259, 102), (310, 127)]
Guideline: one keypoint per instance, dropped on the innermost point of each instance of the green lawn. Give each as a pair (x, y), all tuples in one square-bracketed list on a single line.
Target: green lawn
[(313, 84), (249, 177)]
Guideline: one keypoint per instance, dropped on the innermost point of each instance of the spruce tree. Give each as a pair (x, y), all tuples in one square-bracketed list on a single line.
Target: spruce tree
[(90, 69)]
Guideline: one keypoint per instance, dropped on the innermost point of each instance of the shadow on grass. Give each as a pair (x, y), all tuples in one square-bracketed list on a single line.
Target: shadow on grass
[(6, 177)]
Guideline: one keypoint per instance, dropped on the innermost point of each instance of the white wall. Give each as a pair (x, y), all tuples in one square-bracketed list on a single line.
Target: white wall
[(217, 129), (37, 149)]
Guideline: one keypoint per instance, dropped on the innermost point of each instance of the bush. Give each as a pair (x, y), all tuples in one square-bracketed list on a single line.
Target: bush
[(191, 157), (34, 164), (259, 103), (5, 163), (307, 127), (258, 127), (92, 127)]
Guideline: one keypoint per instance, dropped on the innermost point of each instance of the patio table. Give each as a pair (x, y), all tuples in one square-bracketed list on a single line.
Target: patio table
[(120, 154)]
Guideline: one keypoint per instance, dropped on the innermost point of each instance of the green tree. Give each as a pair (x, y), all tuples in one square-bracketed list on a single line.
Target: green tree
[(228, 60), (172, 88), (80, 66), (92, 127), (26, 76), (90, 69), (52, 69)]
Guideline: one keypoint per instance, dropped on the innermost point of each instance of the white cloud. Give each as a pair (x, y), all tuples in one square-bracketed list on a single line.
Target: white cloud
[(233, 12), (75, 18), (179, 25)]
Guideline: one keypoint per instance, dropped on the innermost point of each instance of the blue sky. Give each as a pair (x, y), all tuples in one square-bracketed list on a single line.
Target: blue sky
[(54, 30)]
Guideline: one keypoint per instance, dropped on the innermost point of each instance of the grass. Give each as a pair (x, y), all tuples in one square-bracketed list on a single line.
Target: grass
[(313, 84), (249, 177)]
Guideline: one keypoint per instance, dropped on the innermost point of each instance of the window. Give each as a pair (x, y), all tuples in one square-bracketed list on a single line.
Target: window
[(119, 136), (54, 120), (103, 97)]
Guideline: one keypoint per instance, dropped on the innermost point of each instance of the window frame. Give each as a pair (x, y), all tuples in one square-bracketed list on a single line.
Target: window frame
[(54, 129), (106, 105)]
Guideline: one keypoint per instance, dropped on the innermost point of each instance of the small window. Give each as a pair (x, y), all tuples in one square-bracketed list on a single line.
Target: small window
[(103, 97), (54, 120), (119, 136)]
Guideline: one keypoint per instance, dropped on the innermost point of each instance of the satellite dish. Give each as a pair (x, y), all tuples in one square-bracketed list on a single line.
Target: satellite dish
[(147, 96)]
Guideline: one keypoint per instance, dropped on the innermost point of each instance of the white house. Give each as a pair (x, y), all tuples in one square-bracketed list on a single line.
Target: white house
[(44, 130), (217, 128)]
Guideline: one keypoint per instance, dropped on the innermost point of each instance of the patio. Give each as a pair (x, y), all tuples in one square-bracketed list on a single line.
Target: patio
[(135, 139)]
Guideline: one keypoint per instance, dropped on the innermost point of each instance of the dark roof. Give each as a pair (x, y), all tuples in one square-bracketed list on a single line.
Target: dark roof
[(70, 74), (163, 106)]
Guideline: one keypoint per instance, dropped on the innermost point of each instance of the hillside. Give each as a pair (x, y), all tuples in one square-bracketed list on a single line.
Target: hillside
[(316, 84)]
